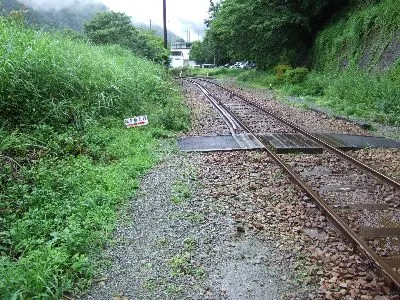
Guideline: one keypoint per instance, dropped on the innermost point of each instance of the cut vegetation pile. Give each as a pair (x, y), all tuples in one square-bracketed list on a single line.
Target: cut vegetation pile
[(66, 159)]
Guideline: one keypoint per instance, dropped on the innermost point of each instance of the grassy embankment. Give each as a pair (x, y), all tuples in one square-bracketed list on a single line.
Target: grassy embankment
[(348, 75), (67, 162)]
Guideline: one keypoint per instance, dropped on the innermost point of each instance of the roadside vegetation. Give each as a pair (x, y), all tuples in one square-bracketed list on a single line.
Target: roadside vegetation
[(67, 161), (352, 66)]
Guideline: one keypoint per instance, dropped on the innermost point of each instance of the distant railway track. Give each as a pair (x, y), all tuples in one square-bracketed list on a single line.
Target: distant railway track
[(349, 192)]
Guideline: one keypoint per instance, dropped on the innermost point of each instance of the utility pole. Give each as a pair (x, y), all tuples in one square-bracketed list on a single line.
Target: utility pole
[(165, 22)]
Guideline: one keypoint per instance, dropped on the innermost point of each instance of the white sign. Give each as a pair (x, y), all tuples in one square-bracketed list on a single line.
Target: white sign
[(136, 121)]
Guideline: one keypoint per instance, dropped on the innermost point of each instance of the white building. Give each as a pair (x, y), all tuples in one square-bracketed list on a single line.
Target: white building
[(180, 55)]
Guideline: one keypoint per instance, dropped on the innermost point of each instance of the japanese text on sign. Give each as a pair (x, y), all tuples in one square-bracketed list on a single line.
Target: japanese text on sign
[(136, 121)]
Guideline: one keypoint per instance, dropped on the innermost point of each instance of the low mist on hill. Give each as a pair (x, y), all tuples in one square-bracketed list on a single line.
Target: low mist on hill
[(59, 5), (70, 14)]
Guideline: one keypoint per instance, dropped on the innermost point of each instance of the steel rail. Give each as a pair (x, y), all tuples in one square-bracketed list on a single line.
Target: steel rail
[(224, 114), (356, 240), (382, 177)]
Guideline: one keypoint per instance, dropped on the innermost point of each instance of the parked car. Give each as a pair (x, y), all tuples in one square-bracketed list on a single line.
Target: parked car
[(236, 65), (207, 65), (249, 65), (243, 65)]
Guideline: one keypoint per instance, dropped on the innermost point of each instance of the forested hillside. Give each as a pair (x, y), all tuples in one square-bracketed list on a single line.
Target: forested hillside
[(341, 54)]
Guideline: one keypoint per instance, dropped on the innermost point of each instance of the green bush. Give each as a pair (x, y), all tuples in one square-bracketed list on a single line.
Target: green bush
[(280, 70), (257, 78), (294, 76), (176, 72)]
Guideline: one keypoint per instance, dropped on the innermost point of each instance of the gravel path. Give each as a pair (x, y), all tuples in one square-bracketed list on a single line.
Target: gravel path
[(229, 225), (180, 242)]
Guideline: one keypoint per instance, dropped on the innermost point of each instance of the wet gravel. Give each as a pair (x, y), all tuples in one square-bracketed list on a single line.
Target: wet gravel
[(205, 119), (190, 245), (386, 161), (261, 197), (242, 231), (231, 225)]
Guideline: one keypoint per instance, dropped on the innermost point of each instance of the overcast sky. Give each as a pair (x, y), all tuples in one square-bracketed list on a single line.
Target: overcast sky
[(182, 15)]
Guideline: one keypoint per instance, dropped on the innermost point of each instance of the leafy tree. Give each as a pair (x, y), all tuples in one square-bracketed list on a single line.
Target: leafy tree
[(111, 28), (117, 28), (212, 12), (153, 46), (197, 52), (210, 50), (268, 31)]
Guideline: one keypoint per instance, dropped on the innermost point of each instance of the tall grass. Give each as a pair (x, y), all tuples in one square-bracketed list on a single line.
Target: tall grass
[(66, 160), (51, 79)]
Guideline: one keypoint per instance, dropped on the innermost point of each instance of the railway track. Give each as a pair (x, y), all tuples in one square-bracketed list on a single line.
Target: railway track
[(361, 202)]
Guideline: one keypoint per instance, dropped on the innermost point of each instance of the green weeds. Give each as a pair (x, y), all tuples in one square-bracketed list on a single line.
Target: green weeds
[(181, 192), (189, 244), (172, 289), (51, 79), (359, 38), (181, 265), (59, 210), (162, 242), (151, 284), (182, 187), (193, 217)]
